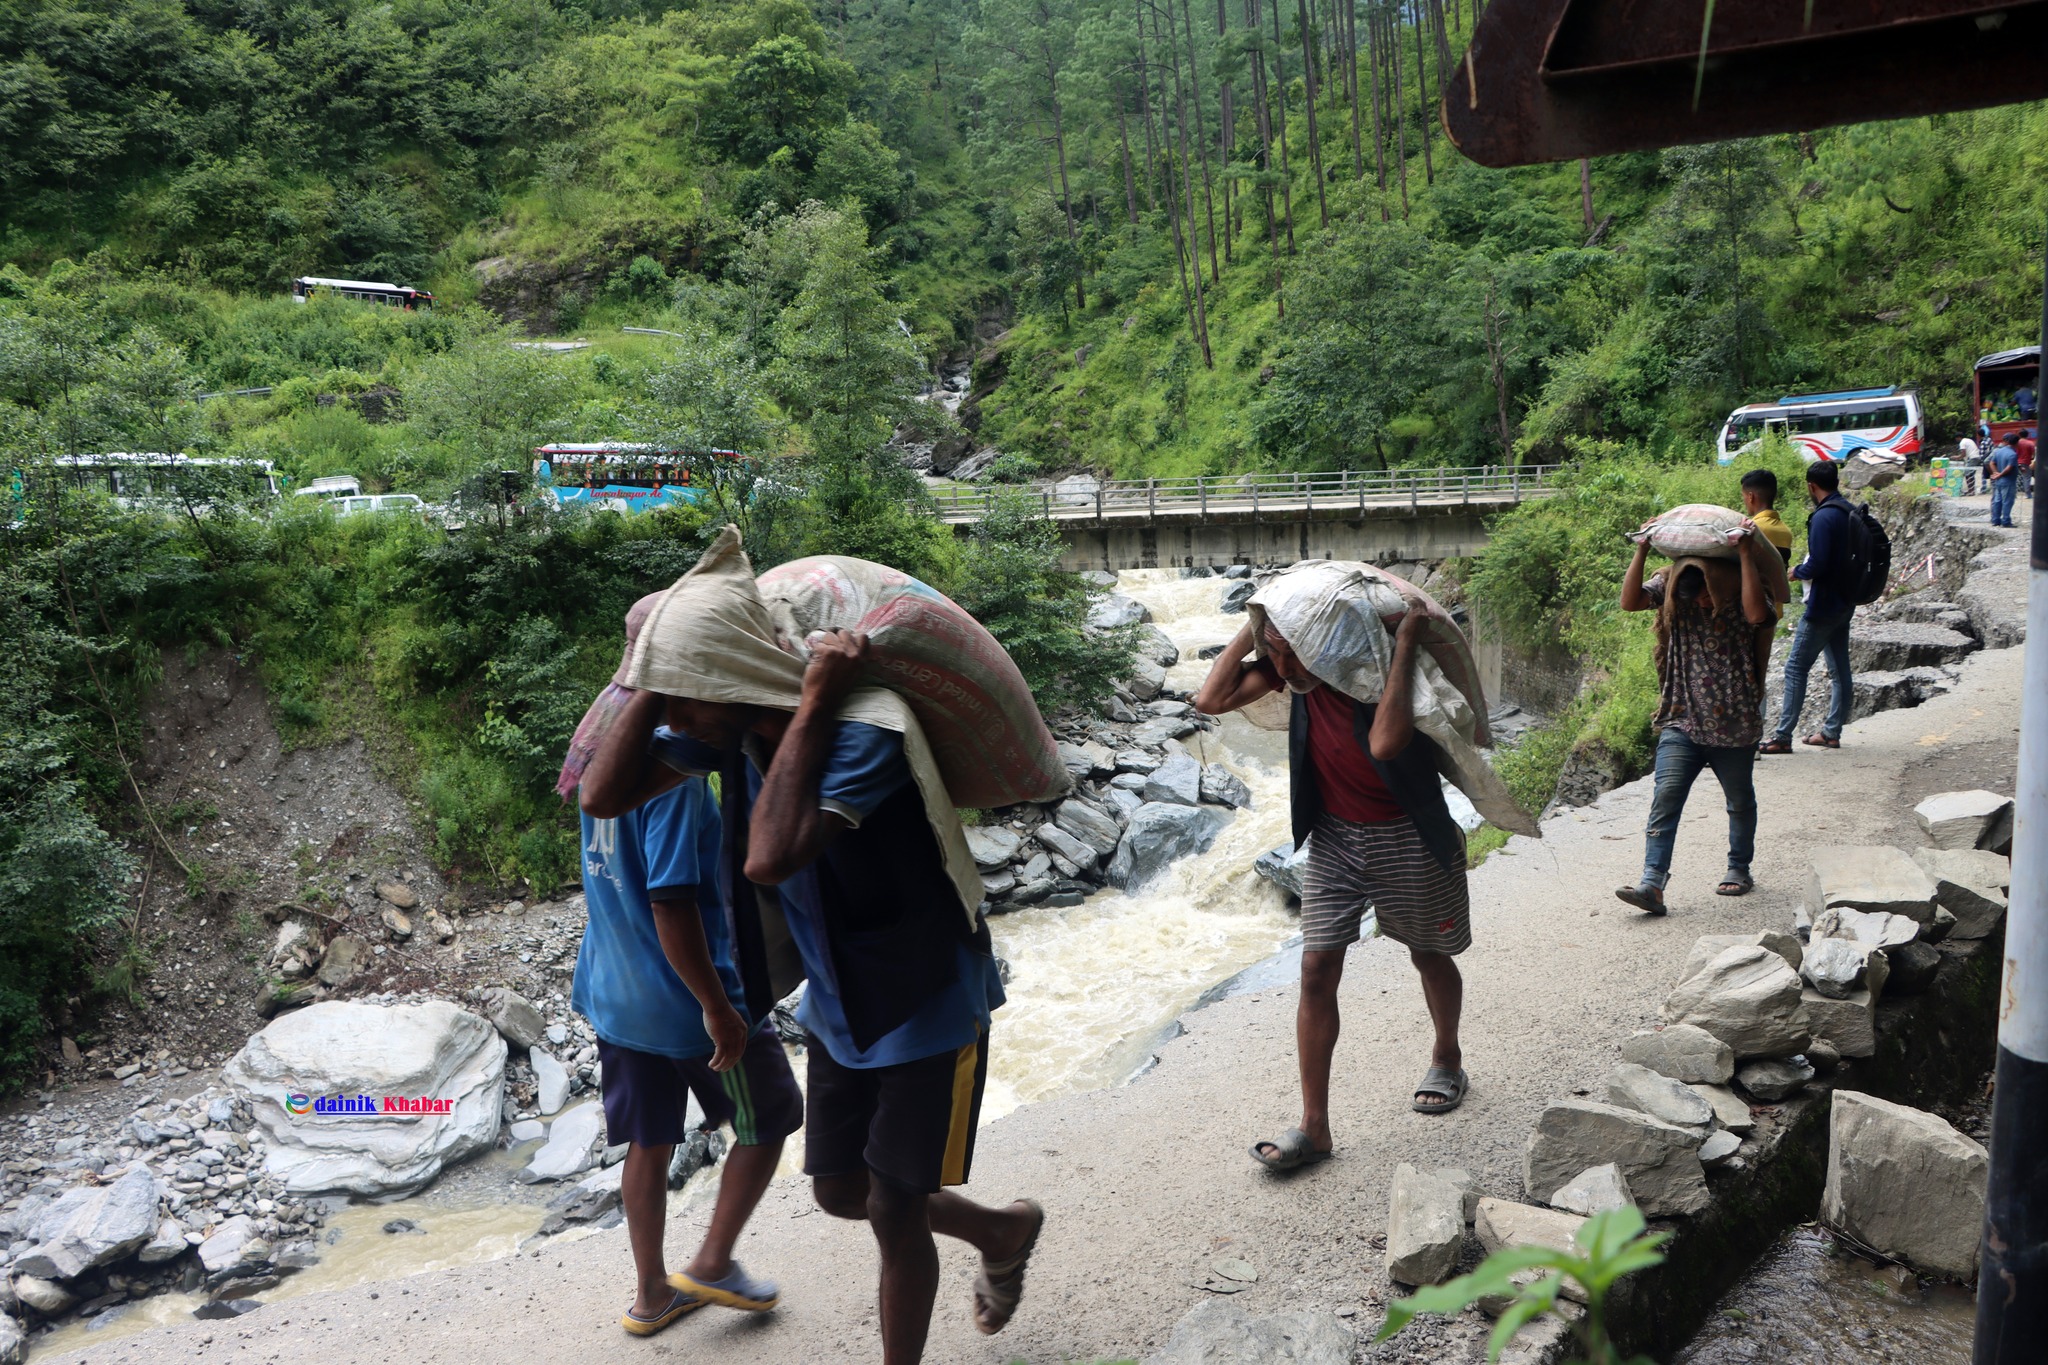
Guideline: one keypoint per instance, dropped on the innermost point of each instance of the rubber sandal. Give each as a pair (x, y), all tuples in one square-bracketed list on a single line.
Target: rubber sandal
[(1641, 897), (1822, 742), (1440, 1080), (1293, 1151), (1775, 746), (1735, 886), (683, 1303), (1000, 1285), (737, 1290)]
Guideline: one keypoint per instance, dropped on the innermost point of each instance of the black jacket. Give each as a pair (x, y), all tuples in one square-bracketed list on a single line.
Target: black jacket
[(1412, 776)]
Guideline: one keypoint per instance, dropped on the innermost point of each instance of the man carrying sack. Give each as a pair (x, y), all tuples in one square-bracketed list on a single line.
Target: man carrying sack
[(843, 845)]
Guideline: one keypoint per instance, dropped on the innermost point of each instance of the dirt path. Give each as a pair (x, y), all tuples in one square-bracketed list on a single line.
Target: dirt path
[(1146, 1184)]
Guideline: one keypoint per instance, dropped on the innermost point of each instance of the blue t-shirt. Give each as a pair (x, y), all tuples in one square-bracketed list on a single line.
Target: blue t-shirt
[(665, 850), (864, 768), (2003, 461)]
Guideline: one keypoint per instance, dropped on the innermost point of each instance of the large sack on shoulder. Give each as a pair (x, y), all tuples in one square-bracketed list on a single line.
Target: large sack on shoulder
[(1694, 529), (991, 744), (1337, 618)]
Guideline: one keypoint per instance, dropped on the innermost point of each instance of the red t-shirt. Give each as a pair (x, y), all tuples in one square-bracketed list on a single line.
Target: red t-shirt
[(1350, 786), (2026, 453)]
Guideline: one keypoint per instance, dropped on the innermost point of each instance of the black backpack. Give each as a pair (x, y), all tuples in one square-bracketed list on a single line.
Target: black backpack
[(1870, 556)]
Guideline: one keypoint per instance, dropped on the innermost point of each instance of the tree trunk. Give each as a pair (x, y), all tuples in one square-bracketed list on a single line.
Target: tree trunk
[(1261, 116), (1400, 112), (1187, 187), (1586, 193), (1422, 99), (1379, 137), (1123, 137), (1280, 84), (1201, 132), (1145, 114), (1059, 139), (1315, 142), (1491, 319)]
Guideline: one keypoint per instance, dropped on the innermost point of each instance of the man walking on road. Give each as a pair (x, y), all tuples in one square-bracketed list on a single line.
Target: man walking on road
[(655, 976), (2003, 470), (1713, 640), (1824, 626), (1369, 803)]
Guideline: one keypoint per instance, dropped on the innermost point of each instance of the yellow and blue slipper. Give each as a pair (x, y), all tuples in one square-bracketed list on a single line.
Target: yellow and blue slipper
[(737, 1290), (683, 1303)]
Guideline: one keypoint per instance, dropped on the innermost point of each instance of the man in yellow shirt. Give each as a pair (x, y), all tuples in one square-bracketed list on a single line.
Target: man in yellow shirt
[(1760, 500)]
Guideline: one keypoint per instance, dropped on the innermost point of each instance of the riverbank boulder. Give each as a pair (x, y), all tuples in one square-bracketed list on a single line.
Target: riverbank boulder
[(1968, 819), (1905, 1183), (1425, 1227), (572, 1145), (1872, 878), (432, 1051), (1158, 834), (1658, 1159), (1286, 867), (1748, 998), (1969, 883), (92, 1225)]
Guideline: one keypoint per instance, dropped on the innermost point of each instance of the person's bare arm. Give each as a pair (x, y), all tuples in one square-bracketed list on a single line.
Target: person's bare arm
[(623, 775), (789, 829), (1393, 722), (1233, 682), (1756, 599), (1633, 598), (681, 930)]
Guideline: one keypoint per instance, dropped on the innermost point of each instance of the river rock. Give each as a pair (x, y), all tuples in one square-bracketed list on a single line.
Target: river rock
[(1913, 967), (569, 1149), (92, 1225), (1135, 762), (1286, 867), (45, 1296), (1113, 609), (996, 885), (1731, 1111), (1154, 733), (514, 1016), (438, 926), (13, 1346), (1597, 1190), (1062, 845), (1098, 831), (342, 959), (1657, 1158), (1969, 883), (396, 922), (1871, 878), (1869, 930), (1836, 967), (1719, 1147), (1425, 1227), (1147, 679), (1157, 646), (236, 1241), (1849, 1022), (1158, 834), (432, 1050), (1639, 1088), (398, 894), (1235, 596), (1177, 780), (1223, 787), (1773, 1079), (1749, 999), (1707, 947), (166, 1244), (1969, 819), (1218, 1332), (550, 1080), (993, 846), (1122, 802), (1905, 1183), (1684, 1052)]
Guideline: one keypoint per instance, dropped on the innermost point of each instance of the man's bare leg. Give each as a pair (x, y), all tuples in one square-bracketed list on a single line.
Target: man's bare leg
[(1315, 1041), (1443, 990), (741, 1183), (643, 1191)]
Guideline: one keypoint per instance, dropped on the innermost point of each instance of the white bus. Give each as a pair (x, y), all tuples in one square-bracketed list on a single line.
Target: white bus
[(1832, 426), (363, 291), (149, 481)]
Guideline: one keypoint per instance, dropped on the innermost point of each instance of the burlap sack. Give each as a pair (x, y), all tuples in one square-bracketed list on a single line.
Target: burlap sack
[(1694, 530)]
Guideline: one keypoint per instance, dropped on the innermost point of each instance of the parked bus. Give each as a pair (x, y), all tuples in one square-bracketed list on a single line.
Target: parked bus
[(620, 476), (362, 291), (144, 481), (2002, 389), (1832, 426)]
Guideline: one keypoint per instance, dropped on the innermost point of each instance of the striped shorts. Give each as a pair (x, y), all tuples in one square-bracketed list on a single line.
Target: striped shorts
[(1385, 869)]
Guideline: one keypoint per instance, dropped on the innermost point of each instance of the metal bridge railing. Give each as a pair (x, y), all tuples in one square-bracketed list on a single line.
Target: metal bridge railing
[(1259, 494)]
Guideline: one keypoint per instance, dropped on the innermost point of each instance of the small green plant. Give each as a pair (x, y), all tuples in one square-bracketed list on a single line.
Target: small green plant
[(1610, 1245)]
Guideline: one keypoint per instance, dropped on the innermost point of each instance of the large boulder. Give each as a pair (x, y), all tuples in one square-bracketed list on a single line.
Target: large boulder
[(1088, 824), (1113, 609), (513, 1015), (572, 1145), (1970, 819), (1969, 883), (1875, 879), (1236, 596), (1647, 1092), (992, 846), (1219, 1332), (1905, 1183), (1156, 645), (1223, 787), (444, 1064), (92, 1225), (1425, 1227), (1177, 780), (1157, 835), (1749, 999), (1684, 1052), (1658, 1159), (1286, 867)]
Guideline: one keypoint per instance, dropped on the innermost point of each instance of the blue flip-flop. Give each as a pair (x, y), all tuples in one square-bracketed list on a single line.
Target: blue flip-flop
[(737, 1290), (684, 1302)]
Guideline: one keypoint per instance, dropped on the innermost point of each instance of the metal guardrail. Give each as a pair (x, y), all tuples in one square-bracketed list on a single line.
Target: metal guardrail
[(1289, 494), (264, 392)]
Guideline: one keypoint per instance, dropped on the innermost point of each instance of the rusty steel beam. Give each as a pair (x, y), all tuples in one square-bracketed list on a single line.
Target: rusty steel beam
[(1554, 80)]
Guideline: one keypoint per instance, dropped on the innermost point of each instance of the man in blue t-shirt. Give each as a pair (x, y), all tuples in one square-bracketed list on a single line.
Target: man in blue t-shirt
[(828, 823), (2002, 470), (656, 979)]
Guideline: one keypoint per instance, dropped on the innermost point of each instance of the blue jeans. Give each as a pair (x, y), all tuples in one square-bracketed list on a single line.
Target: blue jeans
[(1679, 761), (2002, 491), (1817, 634)]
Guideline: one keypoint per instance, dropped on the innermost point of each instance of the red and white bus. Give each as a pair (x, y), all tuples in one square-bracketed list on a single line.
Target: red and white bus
[(1832, 426), (362, 291)]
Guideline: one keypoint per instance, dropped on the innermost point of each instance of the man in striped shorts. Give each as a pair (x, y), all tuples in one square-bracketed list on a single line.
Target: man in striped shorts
[(1368, 801)]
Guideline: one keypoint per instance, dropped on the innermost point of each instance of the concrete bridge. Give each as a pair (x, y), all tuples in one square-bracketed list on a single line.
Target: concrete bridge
[(1213, 519)]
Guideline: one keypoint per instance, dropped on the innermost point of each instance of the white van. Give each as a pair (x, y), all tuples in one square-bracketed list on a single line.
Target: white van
[(333, 486), (380, 503)]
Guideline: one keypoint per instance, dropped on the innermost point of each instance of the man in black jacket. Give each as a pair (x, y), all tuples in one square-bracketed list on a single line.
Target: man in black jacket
[(1828, 572), (1369, 803)]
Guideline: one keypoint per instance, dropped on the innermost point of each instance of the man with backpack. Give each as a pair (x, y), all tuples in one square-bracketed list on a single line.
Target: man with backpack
[(1845, 549)]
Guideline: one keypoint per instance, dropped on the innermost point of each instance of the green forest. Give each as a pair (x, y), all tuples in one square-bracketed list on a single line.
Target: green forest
[(1168, 239)]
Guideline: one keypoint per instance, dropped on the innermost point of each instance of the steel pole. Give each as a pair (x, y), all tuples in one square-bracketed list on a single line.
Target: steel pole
[(2012, 1262)]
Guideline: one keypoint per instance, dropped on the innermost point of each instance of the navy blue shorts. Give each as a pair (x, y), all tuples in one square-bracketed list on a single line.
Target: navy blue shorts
[(912, 1124), (646, 1094)]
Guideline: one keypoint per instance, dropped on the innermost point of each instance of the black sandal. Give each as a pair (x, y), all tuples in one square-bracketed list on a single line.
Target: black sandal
[(1645, 898)]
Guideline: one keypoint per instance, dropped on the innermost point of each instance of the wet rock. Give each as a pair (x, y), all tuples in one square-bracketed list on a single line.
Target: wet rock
[(1639, 1088), (1969, 883), (1094, 829), (1159, 834), (1749, 999), (402, 1225), (526, 1130), (13, 1346), (1684, 1052), (1836, 967), (1773, 1079), (432, 1050), (236, 1242), (1235, 596), (1156, 645), (1147, 680), (1064, 845), (1905, 1183), (569, 1149), (993, 846), (224, 1308), (1113, 609), (1657, 1158), (398, 894), (1286, 867), (1178, 780), (1223, 787), (1967, 819), (514, 1016), (167, 1244), (1154, 733), (45, 1296), (1236, 571), (1425, 1227), (1135, 761), (996, 885), (1596, 1190), (1847, 1022), (1218, 1332), (396, 922), (1913, 967), (580, 1203), (341, 961), (551, 1081), (1719, 1147), (92, 1225), (1868, 930), (1894, 645)]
